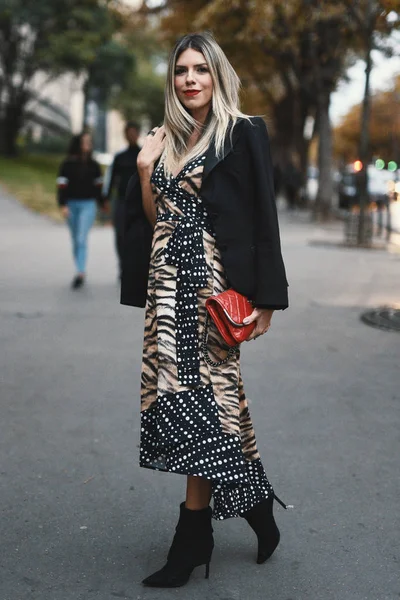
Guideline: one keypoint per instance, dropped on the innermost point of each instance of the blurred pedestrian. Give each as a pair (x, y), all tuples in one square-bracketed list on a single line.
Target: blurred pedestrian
[(79, 185), (205, 181), (116, 180)]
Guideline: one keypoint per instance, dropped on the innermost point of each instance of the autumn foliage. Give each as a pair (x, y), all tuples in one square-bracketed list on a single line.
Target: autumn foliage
[(384, 128)]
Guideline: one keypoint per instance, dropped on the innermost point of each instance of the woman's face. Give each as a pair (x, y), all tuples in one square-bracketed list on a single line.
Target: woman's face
[(86, 143), (193, 83)]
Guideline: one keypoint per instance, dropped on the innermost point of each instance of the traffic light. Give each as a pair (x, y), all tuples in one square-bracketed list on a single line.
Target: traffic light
[(357, 165)]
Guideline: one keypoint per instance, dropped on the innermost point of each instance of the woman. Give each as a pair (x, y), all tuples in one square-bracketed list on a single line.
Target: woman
[(79, 190), (211, 203)]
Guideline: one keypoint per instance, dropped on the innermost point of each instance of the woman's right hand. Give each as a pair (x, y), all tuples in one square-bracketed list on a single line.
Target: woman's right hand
[(65, 212), (152, 149)]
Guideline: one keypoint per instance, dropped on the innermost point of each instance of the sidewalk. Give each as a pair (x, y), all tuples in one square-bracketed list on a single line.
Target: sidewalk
[(334, 233), (80, 519)]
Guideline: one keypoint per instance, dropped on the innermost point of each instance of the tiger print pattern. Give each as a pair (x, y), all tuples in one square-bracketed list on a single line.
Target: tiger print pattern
[(220, 398)]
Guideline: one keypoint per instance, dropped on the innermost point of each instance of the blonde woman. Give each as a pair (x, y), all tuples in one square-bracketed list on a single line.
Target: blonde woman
[(204, 194)]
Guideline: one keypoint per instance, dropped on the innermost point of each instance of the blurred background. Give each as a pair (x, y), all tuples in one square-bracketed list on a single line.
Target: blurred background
[(80, 519), (326, 75)]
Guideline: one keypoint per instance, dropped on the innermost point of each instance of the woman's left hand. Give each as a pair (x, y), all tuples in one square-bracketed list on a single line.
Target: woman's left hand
[(262, 318)]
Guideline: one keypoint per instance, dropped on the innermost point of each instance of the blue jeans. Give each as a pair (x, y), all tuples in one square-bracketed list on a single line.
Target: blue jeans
[(82, 214)]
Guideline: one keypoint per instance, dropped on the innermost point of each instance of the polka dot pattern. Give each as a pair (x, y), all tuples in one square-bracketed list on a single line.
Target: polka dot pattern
[(182, 434), (185, 250), (233, 502)]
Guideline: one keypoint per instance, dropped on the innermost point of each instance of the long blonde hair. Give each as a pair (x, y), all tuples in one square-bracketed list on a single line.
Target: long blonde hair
[(178, 122)]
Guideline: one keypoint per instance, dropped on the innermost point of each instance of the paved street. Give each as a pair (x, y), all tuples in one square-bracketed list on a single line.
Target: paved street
[(81, 521)]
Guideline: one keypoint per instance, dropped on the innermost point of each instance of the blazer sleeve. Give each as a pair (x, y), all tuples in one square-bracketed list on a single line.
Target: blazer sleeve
[(271, 283), (136, 249)]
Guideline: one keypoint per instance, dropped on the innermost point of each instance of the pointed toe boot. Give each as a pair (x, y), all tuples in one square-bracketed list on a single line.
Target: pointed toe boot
[(191, 547), (261, 520)]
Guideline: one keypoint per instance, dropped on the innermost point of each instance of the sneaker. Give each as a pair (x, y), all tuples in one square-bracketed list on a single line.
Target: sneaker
[(77, 282)]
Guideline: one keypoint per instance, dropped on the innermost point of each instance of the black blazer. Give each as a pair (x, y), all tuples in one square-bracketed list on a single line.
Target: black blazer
[(238, 192)]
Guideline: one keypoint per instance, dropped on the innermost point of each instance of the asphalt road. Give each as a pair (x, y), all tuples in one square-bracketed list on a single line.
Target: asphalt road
[(81, 521)]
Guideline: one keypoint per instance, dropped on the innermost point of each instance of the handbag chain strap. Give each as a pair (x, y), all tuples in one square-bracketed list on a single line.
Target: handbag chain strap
[(231, 352)]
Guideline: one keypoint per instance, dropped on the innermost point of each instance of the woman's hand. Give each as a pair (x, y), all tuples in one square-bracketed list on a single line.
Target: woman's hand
[(65, 212), (152, 149), (262, 318)]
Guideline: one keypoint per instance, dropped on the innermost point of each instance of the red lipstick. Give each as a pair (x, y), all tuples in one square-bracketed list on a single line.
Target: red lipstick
[(191, 92)]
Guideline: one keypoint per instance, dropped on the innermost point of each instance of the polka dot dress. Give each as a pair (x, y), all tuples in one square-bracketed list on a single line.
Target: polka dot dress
[(194, 417)]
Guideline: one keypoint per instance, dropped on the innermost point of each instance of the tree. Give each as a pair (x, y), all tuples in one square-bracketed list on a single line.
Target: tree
[(384, 128), (52, 36), (373, 26), (110, 71), (142, 95)]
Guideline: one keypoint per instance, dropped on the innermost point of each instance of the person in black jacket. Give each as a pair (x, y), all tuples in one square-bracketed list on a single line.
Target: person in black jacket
[(200, 219), (117, 178), (79, 186)]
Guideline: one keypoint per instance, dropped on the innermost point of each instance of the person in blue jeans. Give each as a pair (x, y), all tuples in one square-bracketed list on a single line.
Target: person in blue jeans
[(79, 185)]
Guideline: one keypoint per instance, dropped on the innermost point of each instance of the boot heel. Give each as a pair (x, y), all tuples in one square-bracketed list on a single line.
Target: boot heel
[(207, 570), (285, 506), (191, 547)]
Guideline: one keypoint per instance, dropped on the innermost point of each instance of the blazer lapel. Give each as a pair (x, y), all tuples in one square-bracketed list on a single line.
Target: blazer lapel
[(212, 160)]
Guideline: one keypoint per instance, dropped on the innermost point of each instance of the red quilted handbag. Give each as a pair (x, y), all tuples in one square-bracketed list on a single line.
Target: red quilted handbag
[(228, 310)]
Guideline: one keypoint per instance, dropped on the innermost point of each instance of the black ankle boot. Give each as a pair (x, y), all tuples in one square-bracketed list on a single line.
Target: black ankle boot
[(191, 547), (261, 520)]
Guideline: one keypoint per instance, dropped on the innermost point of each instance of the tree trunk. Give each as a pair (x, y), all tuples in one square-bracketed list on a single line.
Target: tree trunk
[(10, 128), (304, 146), (288, 134), (86, 100), (364, 143), (302, 143), (323, 202)]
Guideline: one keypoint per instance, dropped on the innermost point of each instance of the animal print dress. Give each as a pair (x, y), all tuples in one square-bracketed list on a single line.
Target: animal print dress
[(194, 417)]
